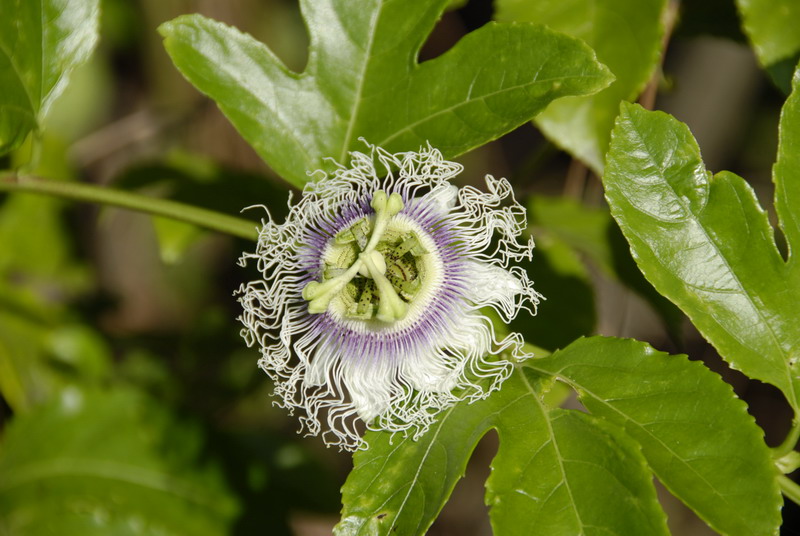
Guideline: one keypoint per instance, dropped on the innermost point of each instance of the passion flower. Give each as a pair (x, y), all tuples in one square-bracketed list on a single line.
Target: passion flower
[(370, 306)]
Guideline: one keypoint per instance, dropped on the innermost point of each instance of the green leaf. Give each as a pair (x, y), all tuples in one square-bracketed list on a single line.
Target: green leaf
[(584, 478), (771, 26), (98, 463), (706, 244), (41, 42), (556, 472), (786, 173), (696, 435), (626, 34), (363, 80)]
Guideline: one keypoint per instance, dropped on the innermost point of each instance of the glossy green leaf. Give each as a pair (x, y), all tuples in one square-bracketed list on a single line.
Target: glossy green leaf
[(41, 42), (99, 463), (696, 435), (771, 26), (584, 478), (706, 244), (626, 34), (363, 80), (786, 173), (557, 472)]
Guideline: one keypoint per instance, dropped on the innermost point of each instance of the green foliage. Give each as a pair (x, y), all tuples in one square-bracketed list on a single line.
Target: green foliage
[(771, 26), (626, 34), (108, 462), (83, 449), (705, 243), (560, 472), (363, 80), (35, 325), (545, 474), (41, 42), (696, 435)]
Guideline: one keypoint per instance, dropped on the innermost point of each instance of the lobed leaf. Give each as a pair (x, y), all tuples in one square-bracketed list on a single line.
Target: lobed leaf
[(557, 472), (626, 34), (706, 244), (363, 80), (580, 476), (694, 432), (41, 42)]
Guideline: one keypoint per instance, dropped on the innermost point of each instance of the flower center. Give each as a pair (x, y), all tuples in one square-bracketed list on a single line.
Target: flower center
[(374, 268)]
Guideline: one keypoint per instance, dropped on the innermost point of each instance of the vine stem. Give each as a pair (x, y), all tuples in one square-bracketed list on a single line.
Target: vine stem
[(209, 219), (789, 488)]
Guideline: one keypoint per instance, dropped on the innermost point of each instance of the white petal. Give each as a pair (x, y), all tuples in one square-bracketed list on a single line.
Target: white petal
[(318, 371), (370, 386), (491, 284), (444, 196), (428, 373)]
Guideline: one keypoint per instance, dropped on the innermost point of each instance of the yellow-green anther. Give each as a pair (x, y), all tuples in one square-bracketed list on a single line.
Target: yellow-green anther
[(390, 307)]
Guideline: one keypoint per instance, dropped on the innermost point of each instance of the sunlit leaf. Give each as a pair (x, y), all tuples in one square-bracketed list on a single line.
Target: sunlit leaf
[(363, 80), (108, 463), (41, 42), (706, 244), (626, 34), (696, 435)]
